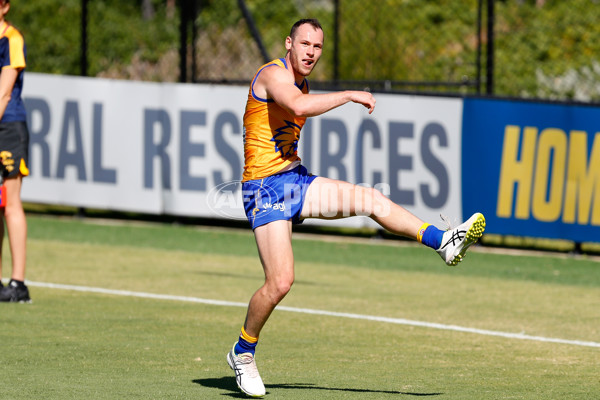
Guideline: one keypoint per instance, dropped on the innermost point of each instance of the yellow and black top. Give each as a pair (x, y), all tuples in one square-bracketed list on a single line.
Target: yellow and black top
[(12, 55)]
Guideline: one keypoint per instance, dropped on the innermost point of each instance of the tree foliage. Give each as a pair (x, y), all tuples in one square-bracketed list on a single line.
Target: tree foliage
[(117, 33)]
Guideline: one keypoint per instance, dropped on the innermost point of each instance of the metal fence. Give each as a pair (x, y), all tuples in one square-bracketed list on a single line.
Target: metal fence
[(384, 45), (545, 49)]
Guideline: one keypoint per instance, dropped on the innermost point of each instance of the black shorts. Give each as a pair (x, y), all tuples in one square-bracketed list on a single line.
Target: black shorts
[(14, 149)]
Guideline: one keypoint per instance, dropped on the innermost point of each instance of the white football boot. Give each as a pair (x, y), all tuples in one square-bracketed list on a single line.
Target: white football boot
[(246, 374), (455, 242)]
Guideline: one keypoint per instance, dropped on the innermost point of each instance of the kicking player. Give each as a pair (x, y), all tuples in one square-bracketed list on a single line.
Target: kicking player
[(278, 191)]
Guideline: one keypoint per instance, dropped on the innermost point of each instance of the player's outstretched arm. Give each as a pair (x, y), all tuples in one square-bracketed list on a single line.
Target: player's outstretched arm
[(364, 98), (309, 105), (279, 86)]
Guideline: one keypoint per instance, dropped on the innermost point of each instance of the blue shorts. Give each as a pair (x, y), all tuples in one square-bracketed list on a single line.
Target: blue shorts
[(276, 197)]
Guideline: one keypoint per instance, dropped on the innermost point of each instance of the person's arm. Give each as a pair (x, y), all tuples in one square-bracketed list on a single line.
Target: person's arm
[(8, 77), (278, 85)]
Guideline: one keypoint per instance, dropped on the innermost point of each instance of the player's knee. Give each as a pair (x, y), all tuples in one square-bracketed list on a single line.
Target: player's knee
[(280, 288), (371, 202), (13, 210), (283, 287)]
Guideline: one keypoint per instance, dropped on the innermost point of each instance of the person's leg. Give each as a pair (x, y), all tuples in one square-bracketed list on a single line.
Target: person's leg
[(16, 225), (274, 242), (1, 241), (331, 199)]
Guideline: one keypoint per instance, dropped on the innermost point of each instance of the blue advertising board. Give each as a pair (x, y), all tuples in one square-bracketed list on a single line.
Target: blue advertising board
[(533, 169)]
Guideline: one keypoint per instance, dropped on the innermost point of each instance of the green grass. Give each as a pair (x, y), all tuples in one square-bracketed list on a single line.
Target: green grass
[(75, 345)]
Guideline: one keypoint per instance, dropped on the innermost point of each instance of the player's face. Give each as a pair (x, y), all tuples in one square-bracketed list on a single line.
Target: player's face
[(305, 49)]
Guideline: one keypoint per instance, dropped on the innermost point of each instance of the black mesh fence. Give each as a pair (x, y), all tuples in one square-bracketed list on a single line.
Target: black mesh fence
[(543, 49), (385, 45)]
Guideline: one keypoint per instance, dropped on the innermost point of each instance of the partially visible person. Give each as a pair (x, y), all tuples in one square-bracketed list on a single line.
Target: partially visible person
[(14, 155)]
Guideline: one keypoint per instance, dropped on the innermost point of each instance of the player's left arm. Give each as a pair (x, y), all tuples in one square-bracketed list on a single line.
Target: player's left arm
[(278, 84), (8, 77), (309, 105)]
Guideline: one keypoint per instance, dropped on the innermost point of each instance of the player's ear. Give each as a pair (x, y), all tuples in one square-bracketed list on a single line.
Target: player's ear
[(288, 43)]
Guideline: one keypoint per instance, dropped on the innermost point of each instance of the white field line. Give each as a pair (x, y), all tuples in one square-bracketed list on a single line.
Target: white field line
[(399, 321)]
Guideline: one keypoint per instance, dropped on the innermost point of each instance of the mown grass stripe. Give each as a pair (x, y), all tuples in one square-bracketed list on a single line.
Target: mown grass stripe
[(398, 321)]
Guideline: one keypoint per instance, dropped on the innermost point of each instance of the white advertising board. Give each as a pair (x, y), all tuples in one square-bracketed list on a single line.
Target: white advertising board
[(166, 148)]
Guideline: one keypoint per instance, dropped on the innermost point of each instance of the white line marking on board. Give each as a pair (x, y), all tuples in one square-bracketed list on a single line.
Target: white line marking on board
[(398, 321)]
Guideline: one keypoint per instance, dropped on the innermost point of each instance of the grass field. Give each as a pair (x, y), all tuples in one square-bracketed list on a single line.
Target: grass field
[(76, 341)]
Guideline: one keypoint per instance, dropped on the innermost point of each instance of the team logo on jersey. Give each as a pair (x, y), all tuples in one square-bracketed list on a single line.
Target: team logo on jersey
[(285, 139)]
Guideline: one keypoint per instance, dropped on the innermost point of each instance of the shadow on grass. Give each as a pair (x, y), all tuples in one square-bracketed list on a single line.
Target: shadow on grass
[(228, 383)]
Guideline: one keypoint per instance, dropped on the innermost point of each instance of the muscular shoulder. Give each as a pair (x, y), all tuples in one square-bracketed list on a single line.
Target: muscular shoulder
[(270, 77)]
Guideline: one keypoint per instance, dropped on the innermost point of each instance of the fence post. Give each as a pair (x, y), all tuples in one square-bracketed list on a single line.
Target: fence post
[(490, 47), (336, 42), (183, 17), (253, 30), (83, 64), (195, 9), (478, 57)]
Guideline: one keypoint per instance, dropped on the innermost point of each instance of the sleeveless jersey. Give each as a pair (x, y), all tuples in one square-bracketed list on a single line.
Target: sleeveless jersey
[(271, 133), (12, 55)]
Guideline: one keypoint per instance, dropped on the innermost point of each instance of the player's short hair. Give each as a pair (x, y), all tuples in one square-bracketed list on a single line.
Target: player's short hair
[(311, 21)]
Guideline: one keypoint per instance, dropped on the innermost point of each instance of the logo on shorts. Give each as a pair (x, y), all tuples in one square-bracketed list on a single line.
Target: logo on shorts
[(225, 200), (7, 161), (229, 199), (274, 207)]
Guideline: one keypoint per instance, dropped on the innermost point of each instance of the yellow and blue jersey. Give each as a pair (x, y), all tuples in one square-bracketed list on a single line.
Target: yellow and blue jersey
[(271, 133), (12, 55)]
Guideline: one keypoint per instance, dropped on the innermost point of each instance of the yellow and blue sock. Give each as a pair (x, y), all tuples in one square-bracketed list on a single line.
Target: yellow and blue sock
[(430, 236), (246, 343)]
